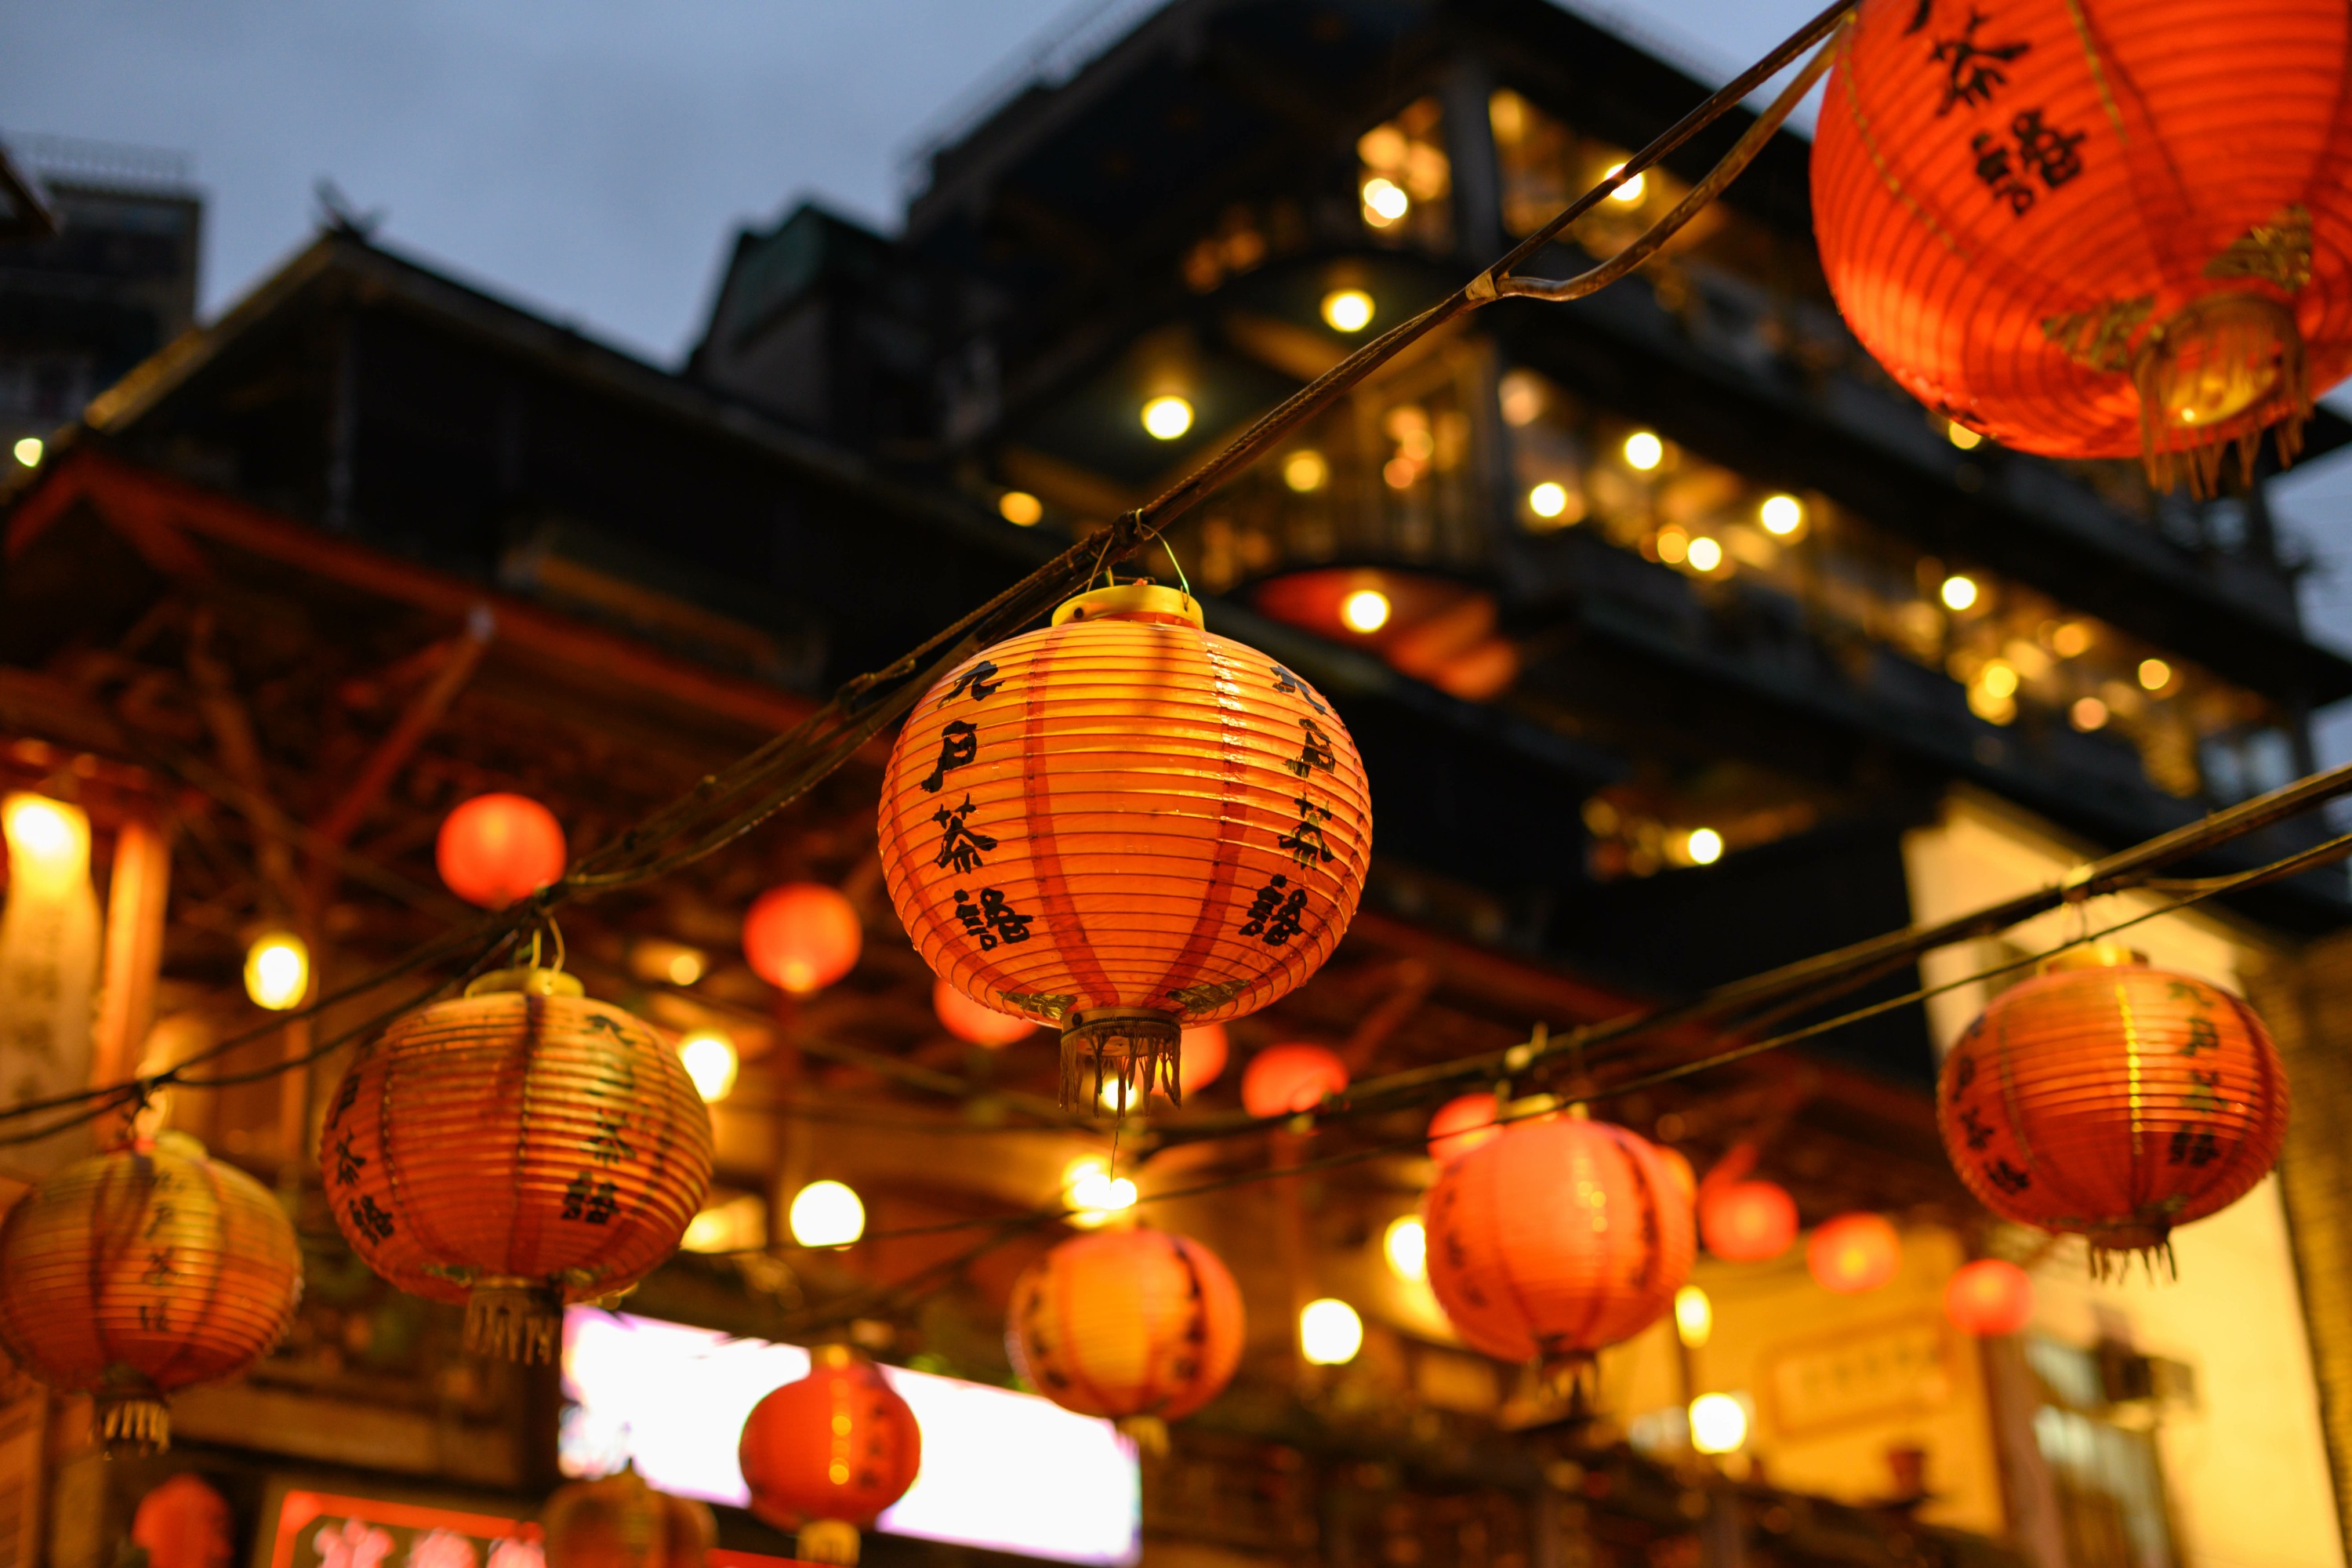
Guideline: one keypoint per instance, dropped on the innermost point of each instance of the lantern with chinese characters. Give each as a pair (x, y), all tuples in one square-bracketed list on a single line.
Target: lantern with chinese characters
[(1990, 1296), (2090, 229), (803, 937), (1285, 1079), (1854, 1253), (1122, 825), (621, 1523), (516, 1148), (1560, 1238), (826, 1453), (1138, 1325), (975, 1024), (498, 848), (1462, 1123), (135, 1273), (1745, 1222), (2112, 1100)]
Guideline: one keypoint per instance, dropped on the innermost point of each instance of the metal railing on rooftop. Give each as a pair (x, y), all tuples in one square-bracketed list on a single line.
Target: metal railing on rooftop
[(114, 165)]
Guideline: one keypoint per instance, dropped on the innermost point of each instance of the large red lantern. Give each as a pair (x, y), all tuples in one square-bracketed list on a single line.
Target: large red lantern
[(2112, 1100), (1990, 1296), (496, 849), (1133, 1324), (1285, 1079), (516, 1148), (1747, 1221), (2091, 229), (1854, 1253), (827, 1454), (1122, 825), (802, 936), (619, 1521), (1464, 1123), (136, 1273), (1560, 1238)]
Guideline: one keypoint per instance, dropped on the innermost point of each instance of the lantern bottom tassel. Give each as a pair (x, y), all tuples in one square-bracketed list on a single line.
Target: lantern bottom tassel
[(514, 1320), (1126, 1047), (2212, 377), (829, 1541), (133, 1423), (2113, 1252)]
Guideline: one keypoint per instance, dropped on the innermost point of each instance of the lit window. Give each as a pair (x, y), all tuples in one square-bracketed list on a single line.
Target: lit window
[(1305, 471), (1548, 499), (710, 1061), (1705, 553), (1348, 310), (1630, 193), (1705, 846), (1384, 200), (1719, 1424), (1365, 610), (826, 1214), (1167, 417), (2155, 675), (1782, 515), (29, 450), (278, 971), (1329, 1332), (1959, 592), (1694, 1316), (1406, 1247), (1960, 436), (1022, 510), (2088, 714), (1645, 451)]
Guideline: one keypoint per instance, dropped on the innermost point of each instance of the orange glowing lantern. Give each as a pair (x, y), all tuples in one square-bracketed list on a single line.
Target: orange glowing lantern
[(1990, 1296), (2112, 1100), (516, 1148), (803, 937), (1134, 1324), (2093, 227), (1124, 826), (1282, 1080), (497, 849), (1205, 1050), (136, 1273), (621, 1523), (828, 1453), (975, 1025), (1559, 1237), (184, 1522), (1462, 1124), (1854, 1253), (1747, 1221)]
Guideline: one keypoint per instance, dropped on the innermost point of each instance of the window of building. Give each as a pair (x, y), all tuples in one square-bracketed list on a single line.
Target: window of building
[(2104, 1461), (1405, 182)]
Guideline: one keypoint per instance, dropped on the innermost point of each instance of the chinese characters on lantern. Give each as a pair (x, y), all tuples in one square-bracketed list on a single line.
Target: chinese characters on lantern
[(2010, 158)]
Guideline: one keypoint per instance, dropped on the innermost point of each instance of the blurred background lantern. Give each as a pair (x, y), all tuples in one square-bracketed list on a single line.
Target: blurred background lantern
[(975, 1024), (826, 1453), (497, 849), (1559, 1237), (184, 1522), (802, 936), (1137, 1324), (2112, 1100), (1854, 1253), (1462, 1124), (2091, 229), (621, 1523), (1747, 1221), (1124, 826), (1206, 1048), (135, 1273), (1989, 1296), (516, 1148), (1282, 1081)]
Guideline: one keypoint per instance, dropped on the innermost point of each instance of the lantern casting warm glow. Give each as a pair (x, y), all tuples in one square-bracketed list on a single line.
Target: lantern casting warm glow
[(1464, 1123), (826, 1453), (1854, 1253), (1747, 1221), (1127, 1324), (1282, 1080), (496, 849), (803, 937), (1990, 1296)]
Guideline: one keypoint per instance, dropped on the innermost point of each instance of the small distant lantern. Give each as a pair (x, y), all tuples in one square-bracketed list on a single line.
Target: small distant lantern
[(976, 1024), (827, 1454), (1854, 1253), (1747, 1221), (184, 1522), (803, 937), (497, 849), (1206, 1048), (621, 1523), (1464, 1123), (1991, 1296), (1282, 1080)]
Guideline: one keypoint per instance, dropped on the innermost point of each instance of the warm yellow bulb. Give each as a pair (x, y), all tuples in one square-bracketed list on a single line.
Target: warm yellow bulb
[(278, 971), (685, 966), (826, 1214), (1406, 1247), (1719, 1424), (1705, 846), (2088, 714), (1694, 1316), (2071, 640), (1998, 677), (1645, 451), (2155, 675), (1092, 1194), (1305, 471), (1959, 592), (1629, 193), (1348, 310), (1705, 553), (1782, 515), (1022, 510), (1167, 417), (1384, 200), (1329, 1332), (28, 451), (1548, 499), (1365, 610), (710, 1061), (1960, 436), (49, 840)]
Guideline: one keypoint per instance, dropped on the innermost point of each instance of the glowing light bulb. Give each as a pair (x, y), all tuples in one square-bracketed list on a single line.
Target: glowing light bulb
[(1631, 191), (1384, 200), (826, 1214), (1705, 553), (1167, 417), (1348, 310), (2088, 714), (1119, 1098), (28, 451), (1365, 610), (1782, 515), (1329, 1332), (1021, 509), (2155, 675), (1705, 846), (1305, 471), (1960, 436), (1959, 592), (1645, 451), (49, 840), (1092, 1193), (1406, 1246), (1719, 1424), (1694, 1316), (278, 971), (710, 1061), (1548, 499), (1997, 679), (2071, 640)]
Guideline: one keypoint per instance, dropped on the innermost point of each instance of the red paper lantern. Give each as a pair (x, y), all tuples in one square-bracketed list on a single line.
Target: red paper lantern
[(1205, 1050), (136, 1273), (2093, 227), (621, 1523), (496, 849), (2112, 1100), (516, 1148), (1747, 1221), (1854, 1253), (1124, 826), (975, 1025), (1557, 1238), (1990, 1296), (803, 937), (828, 1453), (1282, 1081), (1131, 1324), (183, 1523), (1462, 1124)]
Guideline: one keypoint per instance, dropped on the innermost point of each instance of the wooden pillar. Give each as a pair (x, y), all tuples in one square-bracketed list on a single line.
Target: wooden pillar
[(135, 904)]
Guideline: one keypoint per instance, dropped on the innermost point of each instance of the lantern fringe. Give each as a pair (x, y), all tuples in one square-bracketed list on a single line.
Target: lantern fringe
[(829, 1541), (133, 1424), (514, 1320), (2236, 330), (1130, 1047), (2115, 1262)]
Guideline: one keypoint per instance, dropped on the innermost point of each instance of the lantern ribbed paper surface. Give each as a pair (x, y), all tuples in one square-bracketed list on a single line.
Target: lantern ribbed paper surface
[(2097, 227), (1127, 1324), (516, 1150), (1557, 1238), (1121, 824), (133, 1274), (826, 1453), (621, 1523), (2112, 1100)]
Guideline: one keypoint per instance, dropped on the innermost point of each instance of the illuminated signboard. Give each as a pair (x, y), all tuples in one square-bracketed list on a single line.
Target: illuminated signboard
[(1009, 1473), (325, 1530)]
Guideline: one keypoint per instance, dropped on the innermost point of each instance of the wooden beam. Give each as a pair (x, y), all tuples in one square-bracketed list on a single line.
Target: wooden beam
[(136, 900)]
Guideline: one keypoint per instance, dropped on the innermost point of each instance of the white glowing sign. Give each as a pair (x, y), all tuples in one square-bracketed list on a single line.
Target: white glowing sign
[(1005, 1472)]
